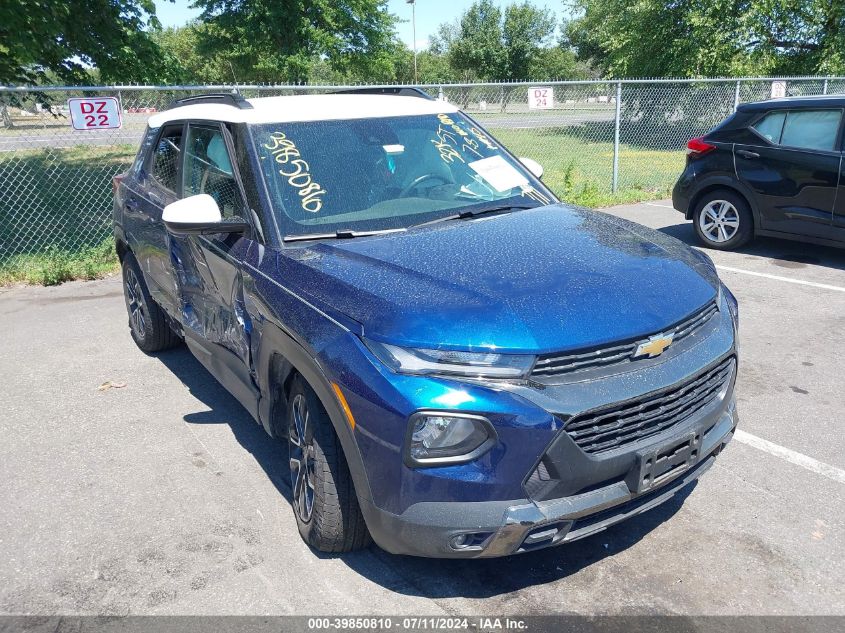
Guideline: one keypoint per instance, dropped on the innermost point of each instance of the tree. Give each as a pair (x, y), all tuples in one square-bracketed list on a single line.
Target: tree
[(60, 40), (180, 48), (525, 30), (512, 44), (277, 40), (476, 46), (558, 62), (691, 38), (432, 67)]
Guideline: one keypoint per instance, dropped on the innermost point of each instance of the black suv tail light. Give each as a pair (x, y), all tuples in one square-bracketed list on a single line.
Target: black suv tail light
[(698, 147)]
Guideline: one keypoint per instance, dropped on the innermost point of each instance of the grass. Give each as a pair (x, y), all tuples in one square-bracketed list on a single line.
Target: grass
[(580, 171), (66, 194), (55, 213), (55, 266)]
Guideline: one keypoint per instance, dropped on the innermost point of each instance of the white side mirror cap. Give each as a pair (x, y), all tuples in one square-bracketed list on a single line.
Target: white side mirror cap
[(532, 165), (201, 209)]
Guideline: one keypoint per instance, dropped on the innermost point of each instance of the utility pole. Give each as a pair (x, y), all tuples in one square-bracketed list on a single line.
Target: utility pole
[(413, 4)]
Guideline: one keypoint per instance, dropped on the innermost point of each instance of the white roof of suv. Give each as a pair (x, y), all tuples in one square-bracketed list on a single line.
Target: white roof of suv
[(323, 107)]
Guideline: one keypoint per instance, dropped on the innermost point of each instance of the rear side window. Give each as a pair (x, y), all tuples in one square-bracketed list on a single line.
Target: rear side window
[(811, 129), (165, 164), (806, 129), (771, 126)]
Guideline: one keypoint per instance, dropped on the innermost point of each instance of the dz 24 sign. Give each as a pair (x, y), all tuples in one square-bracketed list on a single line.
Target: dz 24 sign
[(95, 113)]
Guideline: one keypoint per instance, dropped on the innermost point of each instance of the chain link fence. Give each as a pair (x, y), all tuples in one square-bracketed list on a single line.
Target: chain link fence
[(598, 141)]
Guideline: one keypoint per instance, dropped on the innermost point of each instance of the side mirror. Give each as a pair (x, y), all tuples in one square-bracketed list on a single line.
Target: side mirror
[(199, 215), (532, 165)]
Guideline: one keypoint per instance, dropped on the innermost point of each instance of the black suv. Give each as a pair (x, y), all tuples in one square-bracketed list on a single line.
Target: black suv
[(772, 168)]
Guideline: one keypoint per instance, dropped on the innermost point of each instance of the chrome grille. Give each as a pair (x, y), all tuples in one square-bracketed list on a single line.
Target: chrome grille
[(627, 422), (557, 364)]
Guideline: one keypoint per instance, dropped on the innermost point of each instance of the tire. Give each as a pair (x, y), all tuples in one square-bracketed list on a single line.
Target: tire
[(723, 220), (324, 501), (148, 324)]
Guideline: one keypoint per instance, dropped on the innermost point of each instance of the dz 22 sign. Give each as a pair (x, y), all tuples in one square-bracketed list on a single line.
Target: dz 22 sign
[(96, 113)]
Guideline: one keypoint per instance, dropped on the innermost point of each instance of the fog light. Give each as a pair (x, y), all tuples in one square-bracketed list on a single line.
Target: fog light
[(437, 438), (459, 541), (475, 540)]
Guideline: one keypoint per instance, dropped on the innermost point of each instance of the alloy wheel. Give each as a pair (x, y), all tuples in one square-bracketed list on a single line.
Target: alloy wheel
[(718, 221), (301, 447), (135, 304)]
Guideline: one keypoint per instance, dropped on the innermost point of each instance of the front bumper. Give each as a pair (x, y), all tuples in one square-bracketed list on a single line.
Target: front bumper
[(501, 528)]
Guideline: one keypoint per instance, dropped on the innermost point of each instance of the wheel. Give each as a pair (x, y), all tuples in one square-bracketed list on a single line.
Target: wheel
[(147, 322), (723, 220), (324, 501)]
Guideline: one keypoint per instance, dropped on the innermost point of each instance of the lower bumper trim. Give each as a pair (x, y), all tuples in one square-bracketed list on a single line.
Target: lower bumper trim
[(518, 526)]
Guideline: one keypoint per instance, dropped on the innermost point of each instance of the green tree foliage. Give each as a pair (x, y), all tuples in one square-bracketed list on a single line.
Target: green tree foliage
[(525, 30), (432, 67), (692, 38), (180, 48), (278, 40), (515, 43), (45, 41), (475, 47)]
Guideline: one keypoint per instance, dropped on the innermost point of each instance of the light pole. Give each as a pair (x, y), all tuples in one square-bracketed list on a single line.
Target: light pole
[(413, 4)]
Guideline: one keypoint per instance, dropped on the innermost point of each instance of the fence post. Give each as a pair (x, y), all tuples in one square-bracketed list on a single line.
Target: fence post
[(824, 88), (736, 94), (615, 183)]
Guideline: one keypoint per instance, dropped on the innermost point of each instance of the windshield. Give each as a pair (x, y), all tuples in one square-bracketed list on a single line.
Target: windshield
[(387, 173)]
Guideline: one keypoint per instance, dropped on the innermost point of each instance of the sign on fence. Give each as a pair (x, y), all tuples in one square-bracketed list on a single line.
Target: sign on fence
[(541, 98), (97, 113), (778, 89)]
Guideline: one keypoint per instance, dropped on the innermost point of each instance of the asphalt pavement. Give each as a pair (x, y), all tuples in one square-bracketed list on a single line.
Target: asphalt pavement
[(135, 484)]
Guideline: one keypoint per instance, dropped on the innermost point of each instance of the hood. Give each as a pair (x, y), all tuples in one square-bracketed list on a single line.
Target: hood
[(553, 278)]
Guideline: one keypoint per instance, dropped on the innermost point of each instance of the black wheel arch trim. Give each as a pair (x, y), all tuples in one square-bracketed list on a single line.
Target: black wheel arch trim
[(723, 182), (277, 344)]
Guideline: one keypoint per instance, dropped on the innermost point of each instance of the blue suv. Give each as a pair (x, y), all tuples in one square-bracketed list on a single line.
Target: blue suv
[(462, 366)]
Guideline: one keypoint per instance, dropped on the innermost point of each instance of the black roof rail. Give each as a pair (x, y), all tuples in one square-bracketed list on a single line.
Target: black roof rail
[(233, 98), (398, 91)]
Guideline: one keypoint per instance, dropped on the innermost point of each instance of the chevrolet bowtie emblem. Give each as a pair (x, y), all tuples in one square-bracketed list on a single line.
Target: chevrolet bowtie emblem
[(654, 346)]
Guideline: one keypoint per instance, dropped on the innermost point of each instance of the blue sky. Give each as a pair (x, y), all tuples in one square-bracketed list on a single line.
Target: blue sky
[(430, 14)]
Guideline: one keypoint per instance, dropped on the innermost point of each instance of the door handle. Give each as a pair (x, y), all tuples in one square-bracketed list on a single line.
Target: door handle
[(747, 154)]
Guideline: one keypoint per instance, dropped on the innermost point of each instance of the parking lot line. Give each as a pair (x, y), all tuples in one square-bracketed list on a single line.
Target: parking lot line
[(657, 204), (780, 278), (793, 457)]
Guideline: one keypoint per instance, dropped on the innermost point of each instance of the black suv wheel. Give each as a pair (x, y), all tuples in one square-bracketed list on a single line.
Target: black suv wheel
[(147, 322), (723, 220), (324, 501)]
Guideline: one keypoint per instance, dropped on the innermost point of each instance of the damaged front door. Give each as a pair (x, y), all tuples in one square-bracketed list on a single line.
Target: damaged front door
[(208, 268)]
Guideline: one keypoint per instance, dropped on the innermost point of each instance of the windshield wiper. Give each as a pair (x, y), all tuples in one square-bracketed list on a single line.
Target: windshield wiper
[(340, 234), (469, 213)]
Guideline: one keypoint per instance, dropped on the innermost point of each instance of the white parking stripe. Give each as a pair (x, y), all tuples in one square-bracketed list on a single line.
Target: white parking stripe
[(657, 204), (779, 278), (793, 457)]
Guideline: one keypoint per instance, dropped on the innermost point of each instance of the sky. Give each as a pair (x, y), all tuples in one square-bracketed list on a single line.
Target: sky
[(430, 14)]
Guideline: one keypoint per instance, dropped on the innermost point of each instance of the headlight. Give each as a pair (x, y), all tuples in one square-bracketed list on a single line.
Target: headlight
[(447, 438), (406, 360)]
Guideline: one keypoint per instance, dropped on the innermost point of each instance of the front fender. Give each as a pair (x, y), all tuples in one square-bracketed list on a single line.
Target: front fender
[(279, 350)]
